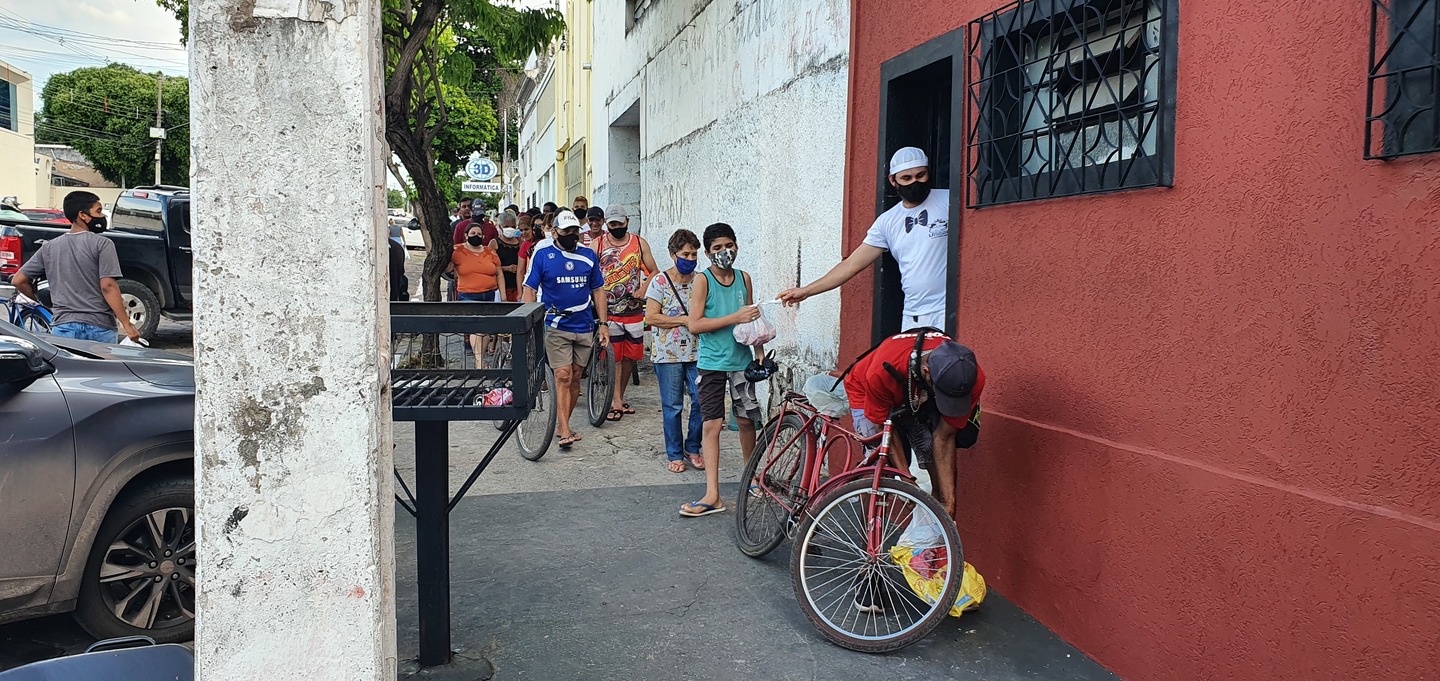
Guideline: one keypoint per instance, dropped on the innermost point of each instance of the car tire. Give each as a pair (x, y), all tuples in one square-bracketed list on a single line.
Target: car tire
[(142, 305), (122, 555)]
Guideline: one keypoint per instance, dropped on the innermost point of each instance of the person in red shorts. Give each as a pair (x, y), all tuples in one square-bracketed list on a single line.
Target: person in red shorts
[(626, 262), (935, 384)]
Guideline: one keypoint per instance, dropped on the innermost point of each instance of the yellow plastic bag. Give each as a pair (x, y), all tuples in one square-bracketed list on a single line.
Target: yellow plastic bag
[(926, 576)]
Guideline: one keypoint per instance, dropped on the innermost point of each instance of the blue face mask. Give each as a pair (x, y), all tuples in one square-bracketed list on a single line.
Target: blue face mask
[(685, 266)]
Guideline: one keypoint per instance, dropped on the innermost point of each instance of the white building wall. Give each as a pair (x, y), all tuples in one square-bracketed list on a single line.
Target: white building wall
[(739, 112)]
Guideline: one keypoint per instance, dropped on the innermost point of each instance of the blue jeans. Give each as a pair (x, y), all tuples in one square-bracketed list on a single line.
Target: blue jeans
[(676, 379), (86, 332)]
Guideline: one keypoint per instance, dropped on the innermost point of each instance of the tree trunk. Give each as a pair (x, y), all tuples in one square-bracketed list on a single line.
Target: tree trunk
[(433, 216)]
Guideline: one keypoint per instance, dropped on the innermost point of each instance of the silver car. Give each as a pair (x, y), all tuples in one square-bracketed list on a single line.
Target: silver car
[(97, 485)]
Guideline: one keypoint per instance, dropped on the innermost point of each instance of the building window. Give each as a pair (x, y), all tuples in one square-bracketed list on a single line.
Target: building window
[(634, 9), (8, 114), (1404, 92), (1071, 97)]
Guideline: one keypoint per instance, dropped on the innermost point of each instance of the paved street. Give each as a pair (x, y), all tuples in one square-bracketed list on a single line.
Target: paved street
[(578, 567)]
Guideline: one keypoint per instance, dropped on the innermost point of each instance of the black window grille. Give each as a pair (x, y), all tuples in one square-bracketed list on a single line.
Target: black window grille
[(1404, 90), (1070, 97)]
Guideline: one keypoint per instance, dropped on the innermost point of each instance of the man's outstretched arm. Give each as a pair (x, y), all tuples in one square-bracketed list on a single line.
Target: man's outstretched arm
[(863, 256)]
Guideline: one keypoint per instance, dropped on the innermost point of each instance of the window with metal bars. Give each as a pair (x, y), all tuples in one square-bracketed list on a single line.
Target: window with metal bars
[(1070, 97), (1403, 102)]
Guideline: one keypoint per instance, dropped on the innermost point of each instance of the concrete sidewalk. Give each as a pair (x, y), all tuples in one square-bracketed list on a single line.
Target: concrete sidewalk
[(612, 583), (578, 567)]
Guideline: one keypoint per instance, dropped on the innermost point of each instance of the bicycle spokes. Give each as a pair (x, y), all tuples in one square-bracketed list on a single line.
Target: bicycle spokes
[(849, 576)]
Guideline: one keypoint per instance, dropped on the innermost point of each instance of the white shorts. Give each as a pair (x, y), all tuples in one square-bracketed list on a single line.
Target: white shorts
[(935, 319)]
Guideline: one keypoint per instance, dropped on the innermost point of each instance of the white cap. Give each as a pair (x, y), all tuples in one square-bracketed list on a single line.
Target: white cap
[(565, 220), (907, 158)]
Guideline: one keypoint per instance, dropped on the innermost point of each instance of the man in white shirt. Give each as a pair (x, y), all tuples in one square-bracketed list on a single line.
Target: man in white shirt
[(915, 231)]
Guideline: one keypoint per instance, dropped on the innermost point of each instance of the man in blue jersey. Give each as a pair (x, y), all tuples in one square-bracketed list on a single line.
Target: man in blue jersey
[(568, 277)]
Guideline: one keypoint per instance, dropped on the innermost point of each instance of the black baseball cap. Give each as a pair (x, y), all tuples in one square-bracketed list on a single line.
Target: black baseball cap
[(953, 372), (595, 213)]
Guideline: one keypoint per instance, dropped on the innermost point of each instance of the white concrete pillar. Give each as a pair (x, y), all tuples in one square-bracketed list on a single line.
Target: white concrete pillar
[(296, 517)]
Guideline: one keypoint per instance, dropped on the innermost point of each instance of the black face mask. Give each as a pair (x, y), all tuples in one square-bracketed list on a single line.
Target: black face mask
[(619, 232), (568, 241), (915, 192), (474, 240), (99, 224)]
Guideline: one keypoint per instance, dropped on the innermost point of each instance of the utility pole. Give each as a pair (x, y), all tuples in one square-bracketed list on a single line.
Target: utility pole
[(158, 132)]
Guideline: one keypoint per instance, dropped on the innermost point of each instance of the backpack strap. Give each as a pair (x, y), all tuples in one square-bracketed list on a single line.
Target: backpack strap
[(920, 335)]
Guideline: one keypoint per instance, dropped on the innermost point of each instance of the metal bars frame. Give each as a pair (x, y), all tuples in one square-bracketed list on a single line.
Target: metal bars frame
[(1402, 97), (1070, 97)]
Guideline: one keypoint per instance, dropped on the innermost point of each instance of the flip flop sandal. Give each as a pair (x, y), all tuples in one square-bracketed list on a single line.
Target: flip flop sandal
[(696, 509), (625, 408), (676, 466), (697, 462), (566, 442), (614, 415)]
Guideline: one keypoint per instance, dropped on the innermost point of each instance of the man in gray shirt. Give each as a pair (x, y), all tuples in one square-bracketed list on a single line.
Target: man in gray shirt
[(81, 267)]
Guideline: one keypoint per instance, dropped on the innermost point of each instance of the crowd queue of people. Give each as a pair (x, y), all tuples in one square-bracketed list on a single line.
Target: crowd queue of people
[(587, 268)]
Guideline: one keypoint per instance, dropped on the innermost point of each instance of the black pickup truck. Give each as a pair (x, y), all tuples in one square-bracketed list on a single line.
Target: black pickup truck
[(151, 230)]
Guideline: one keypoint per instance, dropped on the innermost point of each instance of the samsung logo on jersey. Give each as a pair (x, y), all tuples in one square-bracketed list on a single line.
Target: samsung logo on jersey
[(571, 280)]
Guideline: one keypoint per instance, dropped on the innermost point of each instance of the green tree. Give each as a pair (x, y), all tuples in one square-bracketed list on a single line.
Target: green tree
[(431, 44), (106, 113), (394, 198), (441, 55)]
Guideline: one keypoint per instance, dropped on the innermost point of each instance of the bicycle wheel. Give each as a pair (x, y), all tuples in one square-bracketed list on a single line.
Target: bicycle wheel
[(34, 322), (535, 433), (850, 588), (762, 520), (598, 384)]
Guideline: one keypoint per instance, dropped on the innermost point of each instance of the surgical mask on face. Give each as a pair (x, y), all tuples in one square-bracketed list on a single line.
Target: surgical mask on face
[(685, 266), (915, 192), (99, 224), (724, 258), (619, 232), (474, 240), (511, 233), (568, 241)]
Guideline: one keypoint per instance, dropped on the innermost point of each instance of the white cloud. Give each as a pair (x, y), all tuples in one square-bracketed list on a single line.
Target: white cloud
[(67, 36)]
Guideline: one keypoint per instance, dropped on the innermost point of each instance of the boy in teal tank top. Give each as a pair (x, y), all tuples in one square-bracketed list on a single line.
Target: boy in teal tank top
[(719, 300)]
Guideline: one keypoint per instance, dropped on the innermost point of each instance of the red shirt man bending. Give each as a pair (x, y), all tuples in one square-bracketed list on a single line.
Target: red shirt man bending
[(936, 384)]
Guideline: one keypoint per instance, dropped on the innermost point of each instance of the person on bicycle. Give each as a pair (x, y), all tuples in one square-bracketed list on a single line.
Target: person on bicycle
[(567, 277), (914, 231), (932, 386)]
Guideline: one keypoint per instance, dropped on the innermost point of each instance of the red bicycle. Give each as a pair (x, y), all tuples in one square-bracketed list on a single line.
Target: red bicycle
[(871, 552)]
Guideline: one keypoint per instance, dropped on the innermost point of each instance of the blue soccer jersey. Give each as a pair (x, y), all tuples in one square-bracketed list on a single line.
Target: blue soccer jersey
[(566, 281)]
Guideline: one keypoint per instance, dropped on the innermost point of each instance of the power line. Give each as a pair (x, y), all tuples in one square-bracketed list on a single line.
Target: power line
[(82, 35)]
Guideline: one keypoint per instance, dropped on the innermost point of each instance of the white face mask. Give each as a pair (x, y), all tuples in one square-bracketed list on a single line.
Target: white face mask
[(511, 233)]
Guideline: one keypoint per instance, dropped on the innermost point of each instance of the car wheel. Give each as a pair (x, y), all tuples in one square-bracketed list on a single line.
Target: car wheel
[(140, 578), (141, 305)]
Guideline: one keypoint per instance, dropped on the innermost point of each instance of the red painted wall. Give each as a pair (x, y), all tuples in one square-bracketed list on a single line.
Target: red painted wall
[(1211, 443)]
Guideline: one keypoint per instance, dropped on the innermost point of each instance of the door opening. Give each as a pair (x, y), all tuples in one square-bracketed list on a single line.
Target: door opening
[(917, 109)]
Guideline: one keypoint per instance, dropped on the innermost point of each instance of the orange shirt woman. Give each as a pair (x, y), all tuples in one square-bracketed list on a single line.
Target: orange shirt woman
[(476, 269)]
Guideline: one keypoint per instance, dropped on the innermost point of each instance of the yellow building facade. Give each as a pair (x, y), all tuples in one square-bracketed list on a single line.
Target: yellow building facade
[(572, 91)]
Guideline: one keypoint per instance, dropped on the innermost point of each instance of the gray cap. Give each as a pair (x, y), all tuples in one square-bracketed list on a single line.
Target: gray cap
[(953, 371), (477, 204), (615, 213)]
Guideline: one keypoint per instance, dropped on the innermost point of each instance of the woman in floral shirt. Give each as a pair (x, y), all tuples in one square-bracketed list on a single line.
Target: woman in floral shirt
[(673, 351)]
